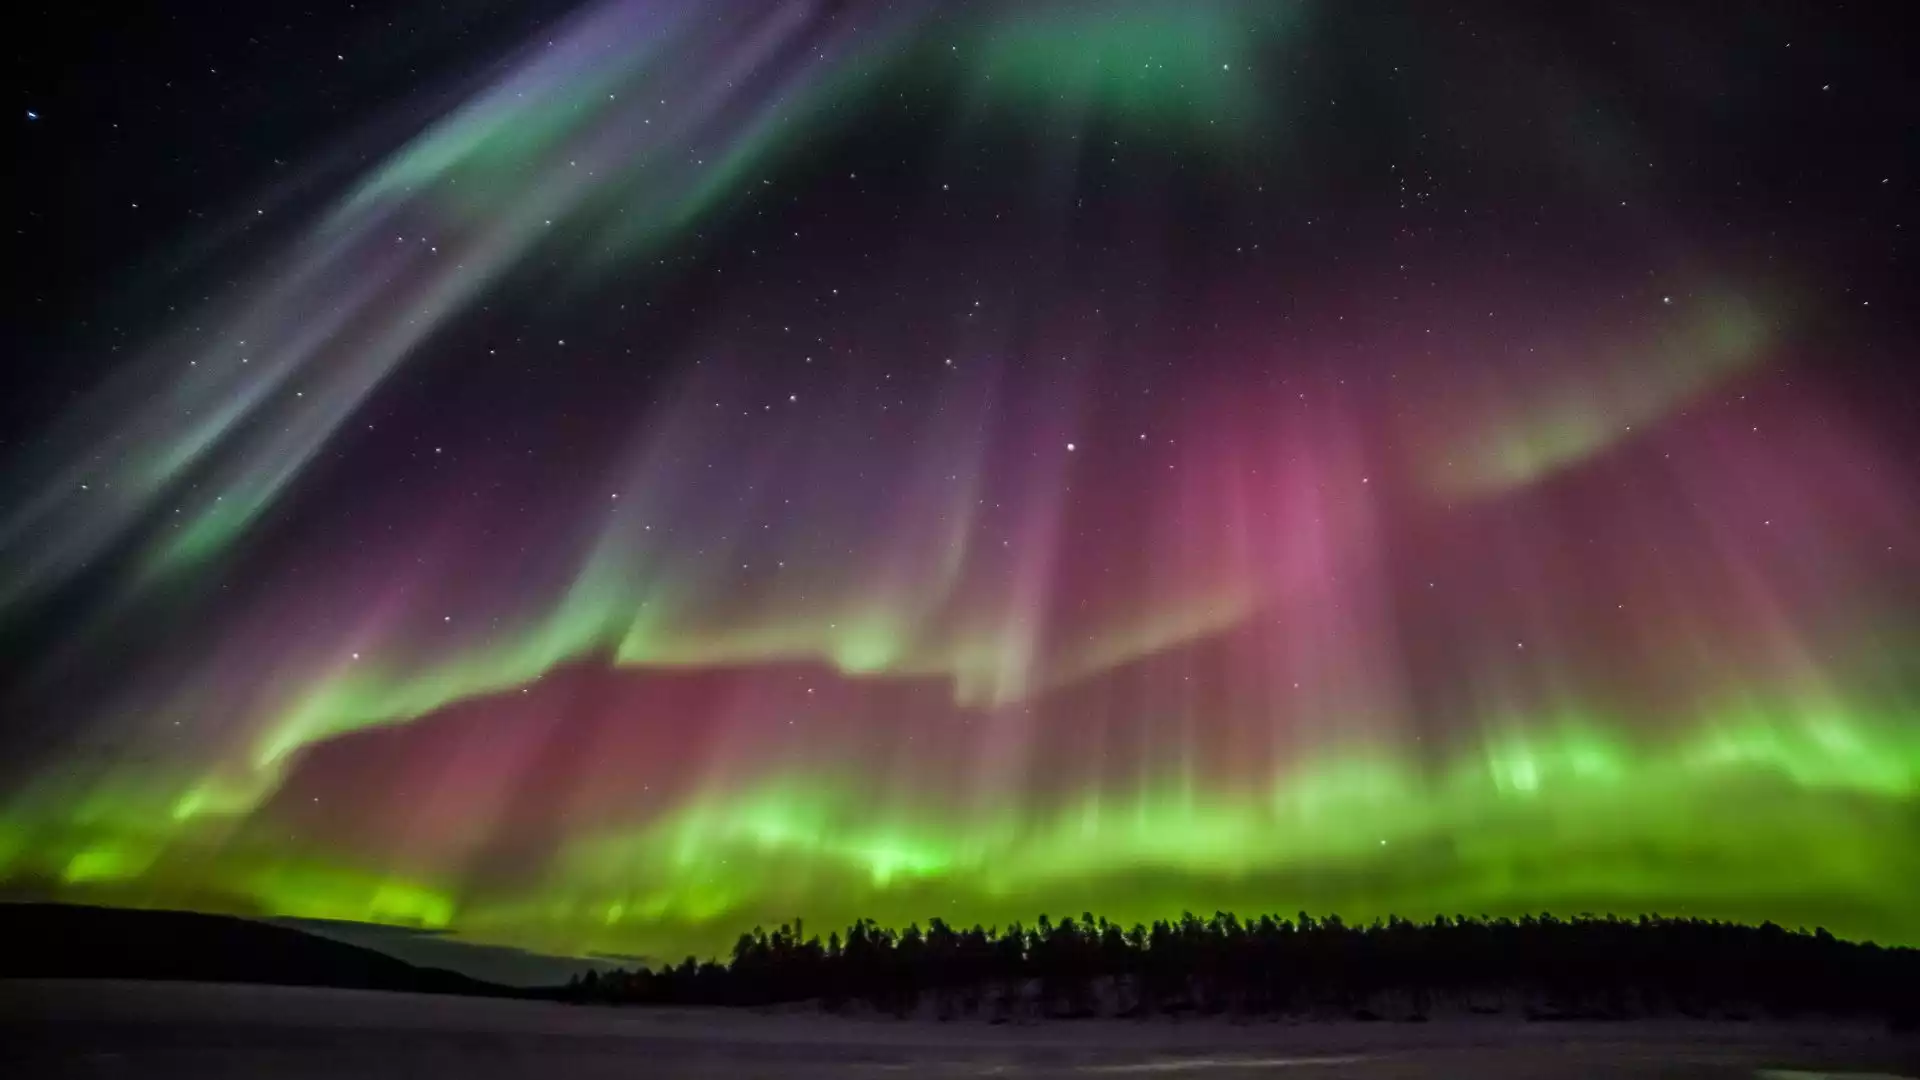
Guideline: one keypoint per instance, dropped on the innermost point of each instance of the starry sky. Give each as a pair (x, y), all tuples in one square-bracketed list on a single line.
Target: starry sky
[(594, 477)]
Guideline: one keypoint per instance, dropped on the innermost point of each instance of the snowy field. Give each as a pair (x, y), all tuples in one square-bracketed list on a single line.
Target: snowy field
[(112, 1029)]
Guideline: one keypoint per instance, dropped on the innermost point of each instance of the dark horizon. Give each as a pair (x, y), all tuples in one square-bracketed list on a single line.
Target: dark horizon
[(1534, 969), (587, 476)]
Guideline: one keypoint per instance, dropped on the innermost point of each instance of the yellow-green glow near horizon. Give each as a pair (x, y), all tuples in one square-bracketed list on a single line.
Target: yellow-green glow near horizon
[(719, 463), (1575, 821)]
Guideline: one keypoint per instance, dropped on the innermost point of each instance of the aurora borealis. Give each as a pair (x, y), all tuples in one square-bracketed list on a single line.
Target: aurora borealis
[(691, 464)]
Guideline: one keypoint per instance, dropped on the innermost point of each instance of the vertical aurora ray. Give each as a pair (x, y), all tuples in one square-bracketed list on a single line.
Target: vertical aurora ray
[(220, 418), (852, 460)]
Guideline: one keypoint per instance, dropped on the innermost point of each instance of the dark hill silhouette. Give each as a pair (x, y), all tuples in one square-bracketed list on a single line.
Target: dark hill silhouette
[(1534, 967), (72, 941)]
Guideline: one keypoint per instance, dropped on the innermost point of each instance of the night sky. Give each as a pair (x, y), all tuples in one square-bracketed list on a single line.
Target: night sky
[(593, 478)]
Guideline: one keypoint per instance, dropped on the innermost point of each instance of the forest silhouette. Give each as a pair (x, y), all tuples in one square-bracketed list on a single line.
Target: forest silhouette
[(1539, 967)]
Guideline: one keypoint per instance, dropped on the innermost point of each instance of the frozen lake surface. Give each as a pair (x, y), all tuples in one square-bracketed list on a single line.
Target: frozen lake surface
[(55, 1028)]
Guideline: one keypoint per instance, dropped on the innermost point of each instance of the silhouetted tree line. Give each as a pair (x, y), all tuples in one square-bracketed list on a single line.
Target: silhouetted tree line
[(1541, 967)]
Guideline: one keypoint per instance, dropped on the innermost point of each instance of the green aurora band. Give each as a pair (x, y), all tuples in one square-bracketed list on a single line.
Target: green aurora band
[(1073, 614), (1570, 821)]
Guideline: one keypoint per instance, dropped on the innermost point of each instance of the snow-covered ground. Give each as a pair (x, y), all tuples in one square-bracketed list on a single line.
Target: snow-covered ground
[(115, 1029)]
